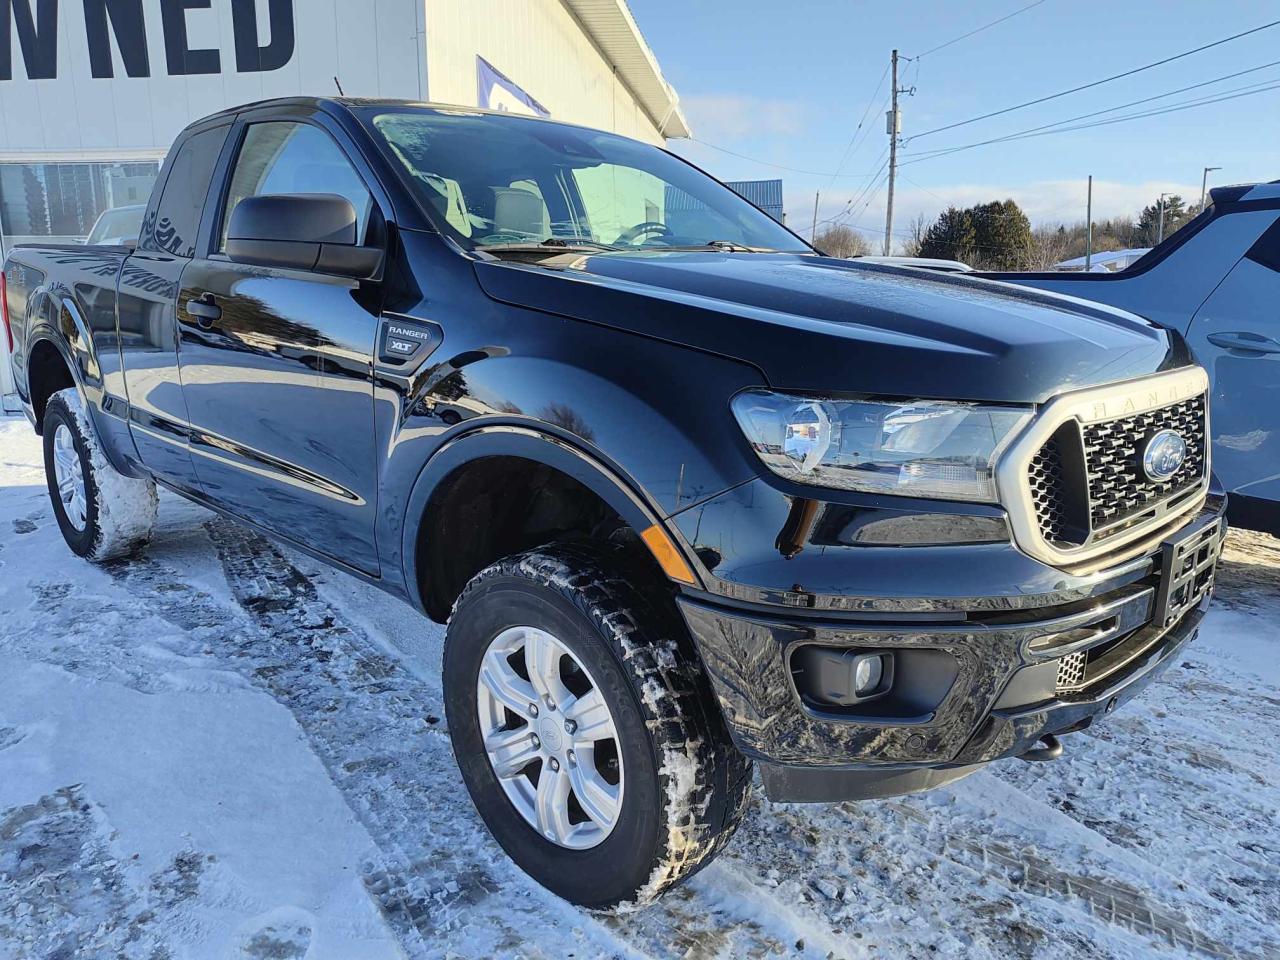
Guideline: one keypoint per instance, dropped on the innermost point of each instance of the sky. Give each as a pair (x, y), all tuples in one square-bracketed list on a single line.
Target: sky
[(787, 84)]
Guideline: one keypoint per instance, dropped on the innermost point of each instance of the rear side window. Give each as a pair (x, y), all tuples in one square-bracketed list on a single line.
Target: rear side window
[(177, 217), (1267, 250), (279, 157)]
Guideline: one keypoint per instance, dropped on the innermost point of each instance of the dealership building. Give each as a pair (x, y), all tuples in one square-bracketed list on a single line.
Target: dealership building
[(92, 92)]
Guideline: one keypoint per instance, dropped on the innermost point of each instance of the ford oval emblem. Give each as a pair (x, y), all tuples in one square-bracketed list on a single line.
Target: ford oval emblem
[(1165, 454)]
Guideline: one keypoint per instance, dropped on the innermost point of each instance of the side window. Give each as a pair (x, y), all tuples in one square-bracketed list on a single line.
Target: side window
[(175, 221), (284, 157), (1266, 250)]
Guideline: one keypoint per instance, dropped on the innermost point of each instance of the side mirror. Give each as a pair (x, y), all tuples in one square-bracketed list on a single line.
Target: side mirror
[(303, 231)]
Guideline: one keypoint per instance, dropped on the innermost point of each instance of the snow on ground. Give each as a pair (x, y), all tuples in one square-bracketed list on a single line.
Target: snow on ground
[(223, 749)]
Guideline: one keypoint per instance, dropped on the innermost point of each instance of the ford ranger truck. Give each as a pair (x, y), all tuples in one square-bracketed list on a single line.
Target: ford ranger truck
[(1216, 281), (692, 498)]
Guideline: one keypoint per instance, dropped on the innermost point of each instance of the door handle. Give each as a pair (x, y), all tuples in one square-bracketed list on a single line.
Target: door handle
[(1243, 340), (206, 312)]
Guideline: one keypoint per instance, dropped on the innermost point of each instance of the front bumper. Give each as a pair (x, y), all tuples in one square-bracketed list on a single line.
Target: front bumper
[(976, 685)]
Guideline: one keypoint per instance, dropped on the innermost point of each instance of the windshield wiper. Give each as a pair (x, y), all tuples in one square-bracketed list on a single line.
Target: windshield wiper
[(728, 246), (578, 242), (551, 247)]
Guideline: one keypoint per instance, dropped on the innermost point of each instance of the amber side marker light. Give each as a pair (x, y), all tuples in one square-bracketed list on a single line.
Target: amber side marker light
[(668, 557)]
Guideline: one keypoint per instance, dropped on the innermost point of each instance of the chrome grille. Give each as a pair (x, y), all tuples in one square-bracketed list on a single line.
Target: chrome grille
[(1088, 483), (1118, 487)]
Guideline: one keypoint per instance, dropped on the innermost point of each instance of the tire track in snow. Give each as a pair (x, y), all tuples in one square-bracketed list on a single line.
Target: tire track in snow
[(441, 878), (284, 603), (376, 730), (1110, 900)]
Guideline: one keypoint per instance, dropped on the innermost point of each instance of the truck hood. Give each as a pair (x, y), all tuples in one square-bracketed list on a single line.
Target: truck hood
[(822, 324)]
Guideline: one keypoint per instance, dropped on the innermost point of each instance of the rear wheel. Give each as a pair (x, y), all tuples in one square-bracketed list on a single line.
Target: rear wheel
[(585, 728), (102, 513)]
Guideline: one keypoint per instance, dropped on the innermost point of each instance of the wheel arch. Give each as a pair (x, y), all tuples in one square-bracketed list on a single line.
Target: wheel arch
[(538, 449), (49, 369), (59, 350)]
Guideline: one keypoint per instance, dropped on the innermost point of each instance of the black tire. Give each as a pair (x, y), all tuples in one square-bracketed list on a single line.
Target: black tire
[(120, 511), (686, 784)]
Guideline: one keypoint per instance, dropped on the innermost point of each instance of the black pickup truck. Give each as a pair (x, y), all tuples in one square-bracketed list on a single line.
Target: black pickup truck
[(691, 496)]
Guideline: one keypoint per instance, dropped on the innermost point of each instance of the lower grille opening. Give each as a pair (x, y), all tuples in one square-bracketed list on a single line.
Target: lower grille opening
[(1079, 669)]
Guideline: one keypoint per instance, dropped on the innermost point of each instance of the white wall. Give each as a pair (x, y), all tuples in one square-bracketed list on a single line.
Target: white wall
[(374, 47), (539, 46)]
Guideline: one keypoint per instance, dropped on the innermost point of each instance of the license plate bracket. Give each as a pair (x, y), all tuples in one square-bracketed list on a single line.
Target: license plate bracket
[(1188, 559)]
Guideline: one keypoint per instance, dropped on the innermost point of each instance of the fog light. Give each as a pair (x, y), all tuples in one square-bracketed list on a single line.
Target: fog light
[(868, 670), (841, 677)]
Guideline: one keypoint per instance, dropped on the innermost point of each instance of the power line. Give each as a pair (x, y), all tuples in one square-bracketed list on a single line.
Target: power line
[(925, 189), (1250, 90), (865, 201), (854, 136), (871, 184), (985, 26), (1096, 113), (1097, 83), (864, 197), (779, 166)]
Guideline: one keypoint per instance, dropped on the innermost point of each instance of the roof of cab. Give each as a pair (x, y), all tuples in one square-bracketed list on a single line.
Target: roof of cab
[(340, 104)]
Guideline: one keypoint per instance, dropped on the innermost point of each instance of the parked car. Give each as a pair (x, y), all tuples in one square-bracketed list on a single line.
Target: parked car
[(1216, 281), (690, 496), (118, 225), (924, 263)]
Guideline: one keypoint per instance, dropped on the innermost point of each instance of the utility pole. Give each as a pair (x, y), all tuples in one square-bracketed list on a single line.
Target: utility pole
[(813, 234), (1160, 239), (894, 124), (1088, 232), (1204, 183)]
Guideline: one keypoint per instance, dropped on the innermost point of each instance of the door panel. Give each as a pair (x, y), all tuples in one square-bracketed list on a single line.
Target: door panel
[(279, 390), (1236, 336), (149, 353), (277, 364), (147, 297)]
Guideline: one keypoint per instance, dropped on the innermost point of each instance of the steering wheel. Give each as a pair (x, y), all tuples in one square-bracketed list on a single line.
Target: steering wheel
[(647, 228)]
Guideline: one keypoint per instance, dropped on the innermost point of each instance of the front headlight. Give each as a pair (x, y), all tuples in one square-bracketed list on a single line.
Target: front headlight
[(917, 448)]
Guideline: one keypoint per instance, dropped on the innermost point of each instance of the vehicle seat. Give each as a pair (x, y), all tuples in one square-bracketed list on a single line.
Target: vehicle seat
[(518, 211)]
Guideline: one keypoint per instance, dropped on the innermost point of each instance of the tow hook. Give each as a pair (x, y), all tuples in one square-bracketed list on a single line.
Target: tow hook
[(1051, 750)]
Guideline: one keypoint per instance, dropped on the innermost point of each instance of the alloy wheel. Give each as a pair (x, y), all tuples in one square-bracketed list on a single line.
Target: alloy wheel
[(68, 474), (550, 737)]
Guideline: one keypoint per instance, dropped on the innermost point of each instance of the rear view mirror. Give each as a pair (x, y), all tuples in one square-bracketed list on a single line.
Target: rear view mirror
[(303, 231)]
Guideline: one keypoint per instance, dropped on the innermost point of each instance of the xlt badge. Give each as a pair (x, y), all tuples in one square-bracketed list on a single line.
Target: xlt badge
[(406, 340)]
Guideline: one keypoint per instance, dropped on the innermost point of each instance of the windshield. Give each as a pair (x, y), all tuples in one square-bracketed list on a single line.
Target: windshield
[(492, 181)]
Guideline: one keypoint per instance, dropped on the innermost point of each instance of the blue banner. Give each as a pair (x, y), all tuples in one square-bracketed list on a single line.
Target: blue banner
[(496, 91)]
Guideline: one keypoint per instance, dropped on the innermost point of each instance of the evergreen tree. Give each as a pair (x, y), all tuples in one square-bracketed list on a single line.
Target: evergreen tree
[(989, 236), (952, 237), (1175, 215)]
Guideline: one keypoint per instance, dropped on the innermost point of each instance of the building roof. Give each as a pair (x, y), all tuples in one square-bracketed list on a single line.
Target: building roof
[(765, 194), (1105, 257), (615, 33)]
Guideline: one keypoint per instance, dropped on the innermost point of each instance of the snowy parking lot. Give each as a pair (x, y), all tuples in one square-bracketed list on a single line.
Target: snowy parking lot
[(221, 749)]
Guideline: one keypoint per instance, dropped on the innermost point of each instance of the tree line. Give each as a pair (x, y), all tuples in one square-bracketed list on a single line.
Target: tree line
[(999, 236)]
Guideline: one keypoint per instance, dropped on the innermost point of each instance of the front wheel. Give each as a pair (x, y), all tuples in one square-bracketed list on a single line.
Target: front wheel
[(102, 513), (585, 728)]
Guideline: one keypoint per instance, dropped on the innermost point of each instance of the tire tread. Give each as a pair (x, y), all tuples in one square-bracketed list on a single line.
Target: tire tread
[(620, 596)]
